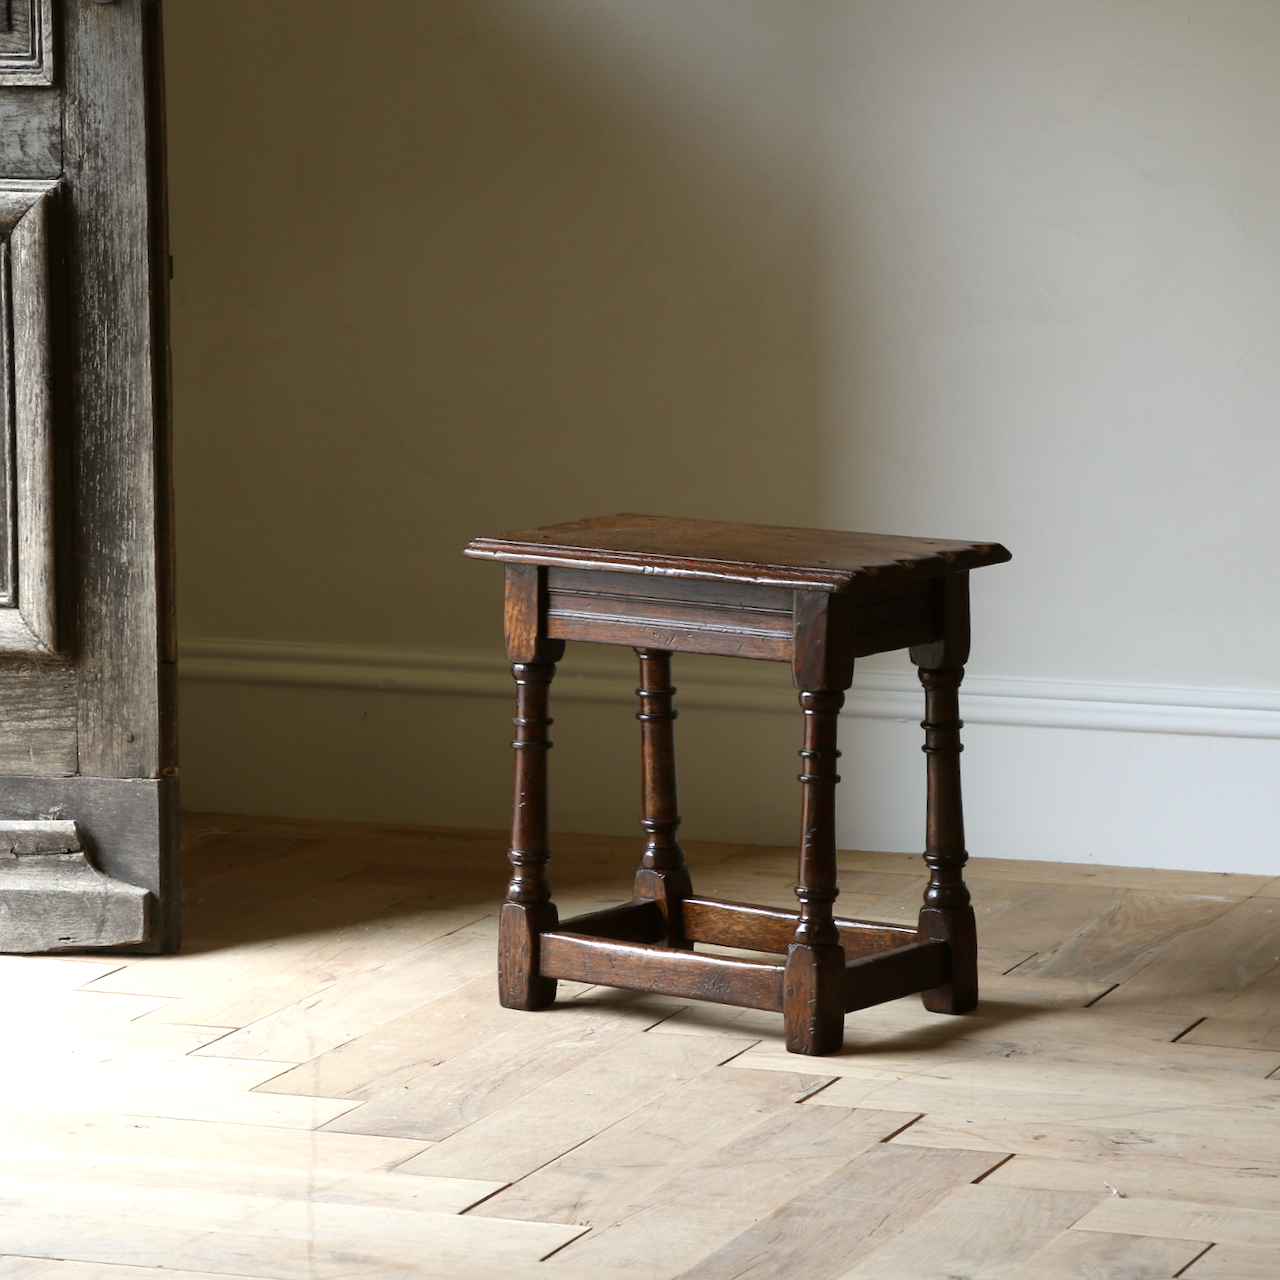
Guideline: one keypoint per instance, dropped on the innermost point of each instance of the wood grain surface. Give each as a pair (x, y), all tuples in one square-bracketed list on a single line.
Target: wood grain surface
[(325, 1084)]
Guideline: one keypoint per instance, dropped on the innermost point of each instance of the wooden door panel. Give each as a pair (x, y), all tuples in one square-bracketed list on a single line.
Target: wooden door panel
[(27, 603), (26, 42), (87, 671)]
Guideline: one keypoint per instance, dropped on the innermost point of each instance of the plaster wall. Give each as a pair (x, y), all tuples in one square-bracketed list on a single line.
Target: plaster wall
[(1006, 269)]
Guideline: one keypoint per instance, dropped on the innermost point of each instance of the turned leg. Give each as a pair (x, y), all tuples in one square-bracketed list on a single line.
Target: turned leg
[(813, 985), (946, 913), (528, 910), (663, 875)]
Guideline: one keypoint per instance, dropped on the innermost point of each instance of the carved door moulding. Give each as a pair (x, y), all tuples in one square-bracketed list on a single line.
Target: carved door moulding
[(53, 898), (26, 42), (27, 606)]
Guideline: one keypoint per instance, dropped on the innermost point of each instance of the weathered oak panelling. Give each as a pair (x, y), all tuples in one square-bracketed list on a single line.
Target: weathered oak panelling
[(37, 719), (30, 133)]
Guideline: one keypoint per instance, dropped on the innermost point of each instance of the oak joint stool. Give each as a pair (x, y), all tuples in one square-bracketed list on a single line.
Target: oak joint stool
[(816, 599)]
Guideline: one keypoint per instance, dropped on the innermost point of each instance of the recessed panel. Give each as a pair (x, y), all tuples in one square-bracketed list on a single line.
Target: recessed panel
[(26, 418), (26, 43)]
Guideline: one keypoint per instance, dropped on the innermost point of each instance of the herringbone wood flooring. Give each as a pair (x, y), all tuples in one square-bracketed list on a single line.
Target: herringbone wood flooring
[(322, 1085)]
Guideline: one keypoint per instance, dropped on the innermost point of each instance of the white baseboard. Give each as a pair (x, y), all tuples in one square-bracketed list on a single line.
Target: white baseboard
[(1056, 770), (600, 674)]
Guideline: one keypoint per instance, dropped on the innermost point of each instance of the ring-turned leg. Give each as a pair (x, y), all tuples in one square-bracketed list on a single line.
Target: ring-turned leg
[(946, 913), (663, 875), (528, 910), (814, 981)]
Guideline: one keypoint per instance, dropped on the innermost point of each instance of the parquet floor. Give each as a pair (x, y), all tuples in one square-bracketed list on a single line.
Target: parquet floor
[(322, 1085)]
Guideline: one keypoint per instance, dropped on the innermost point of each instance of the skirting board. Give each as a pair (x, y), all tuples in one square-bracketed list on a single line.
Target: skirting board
[(595, 674), (1174, 778)]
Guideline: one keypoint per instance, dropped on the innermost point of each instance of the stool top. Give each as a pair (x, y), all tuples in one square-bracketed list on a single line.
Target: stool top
[(765, 554)]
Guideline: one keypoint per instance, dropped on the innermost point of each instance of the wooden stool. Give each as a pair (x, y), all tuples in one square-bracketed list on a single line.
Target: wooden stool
[(818, 600)]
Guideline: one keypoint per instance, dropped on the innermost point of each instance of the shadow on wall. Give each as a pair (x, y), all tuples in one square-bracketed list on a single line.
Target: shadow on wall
[(490, 265), (521, 267)]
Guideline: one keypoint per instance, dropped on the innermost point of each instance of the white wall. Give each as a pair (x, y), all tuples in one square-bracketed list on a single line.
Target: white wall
[(1003, 269)]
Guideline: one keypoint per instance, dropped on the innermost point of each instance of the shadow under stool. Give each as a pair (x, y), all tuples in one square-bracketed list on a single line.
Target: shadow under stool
[(817, 599)]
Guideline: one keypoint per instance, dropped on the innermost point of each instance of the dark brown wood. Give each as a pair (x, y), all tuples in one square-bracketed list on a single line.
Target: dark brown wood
[(950, 647), (813, 998), (896, 617), (822, 658), (663, 875), (752, 984), (813, 1009), (728, 618), (528, 911), (947, 913), (709, 598), (772, 929), (817, 599), (816, 885), (638, 921), (771, 555), (525, 616), (893, 974)]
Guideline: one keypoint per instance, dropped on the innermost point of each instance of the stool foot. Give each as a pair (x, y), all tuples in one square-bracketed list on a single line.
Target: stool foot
[(956, 928), (813, 998), (520, 985), (668, 889)]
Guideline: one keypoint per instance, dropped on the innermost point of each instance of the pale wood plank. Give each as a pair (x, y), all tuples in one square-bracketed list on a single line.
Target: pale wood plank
[(1255, 1186), (1084, 1255), (97, 1135), (845, 1217), (1210, 966), (1117, 942), (27, 1071), (396, 1052), (487, 1073), (327, 1267), (108, 1038), (544, 1123), (330, 1185), (291, 1241), (351, 1006), (1233, 1262), (281, 870), (980, 870), (258, 981), (1178, 1220), (197, 823), (977, 1232), (597, 1180), (78, 1006), (316, 1221), (1250, 1021), (1129, 1087), (58, 1269), (1212, 1137), (709, 1203), (217, 856), (180, 1102), (443, 1268), (51, 973), (901, 1039), (1012, 1011), (1014, 915)]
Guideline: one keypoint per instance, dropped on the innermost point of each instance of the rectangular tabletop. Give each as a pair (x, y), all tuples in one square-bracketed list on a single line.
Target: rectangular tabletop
[(760, 554)]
